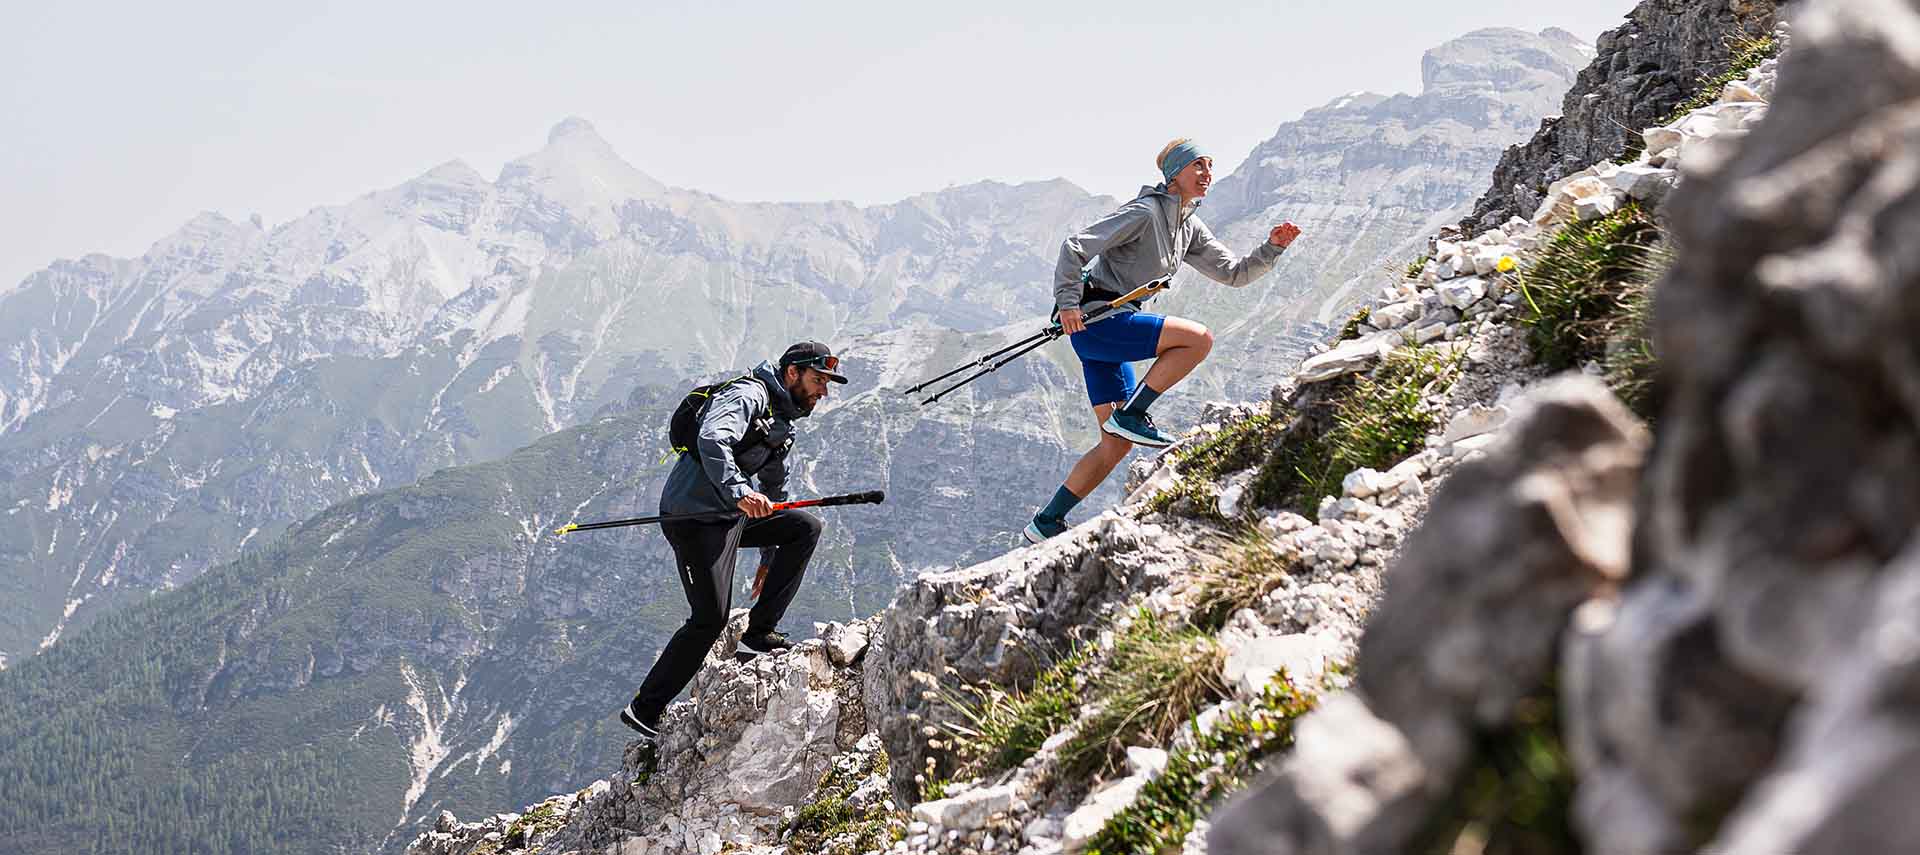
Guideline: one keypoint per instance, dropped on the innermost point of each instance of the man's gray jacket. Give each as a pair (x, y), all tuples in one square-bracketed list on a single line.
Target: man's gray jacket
[(713, 475), (1146, 239)]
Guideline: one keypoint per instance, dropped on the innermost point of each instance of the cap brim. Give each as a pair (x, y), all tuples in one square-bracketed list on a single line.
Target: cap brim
[(833, 375)]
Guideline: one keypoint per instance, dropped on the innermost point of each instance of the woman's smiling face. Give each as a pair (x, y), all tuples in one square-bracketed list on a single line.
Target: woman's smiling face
[(1193, 181)]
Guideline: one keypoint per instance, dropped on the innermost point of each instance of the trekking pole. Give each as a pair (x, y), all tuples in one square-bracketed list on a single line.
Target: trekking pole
[(1043, 337), (1028, 344), (1048, 336), (870, 497)]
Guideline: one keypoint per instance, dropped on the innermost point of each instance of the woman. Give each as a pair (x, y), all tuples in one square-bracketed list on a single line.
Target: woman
[(1145, 240)]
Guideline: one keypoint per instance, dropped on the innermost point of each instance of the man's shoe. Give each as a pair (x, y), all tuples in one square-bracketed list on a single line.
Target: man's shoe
[(647, 724), (759, 643), (1136, 428), (1042, 528)]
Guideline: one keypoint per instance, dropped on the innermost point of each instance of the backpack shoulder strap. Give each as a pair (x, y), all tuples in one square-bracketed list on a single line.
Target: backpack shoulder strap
[(705, 394)]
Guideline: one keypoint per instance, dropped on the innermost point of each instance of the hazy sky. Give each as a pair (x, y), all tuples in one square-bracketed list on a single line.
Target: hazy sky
[(118, 121)]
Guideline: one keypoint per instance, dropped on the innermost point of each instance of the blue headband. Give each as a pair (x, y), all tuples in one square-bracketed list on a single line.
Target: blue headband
[(1179, 157)]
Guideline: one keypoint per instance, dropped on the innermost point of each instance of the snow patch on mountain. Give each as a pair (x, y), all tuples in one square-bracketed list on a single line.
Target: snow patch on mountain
[(426, 748), (500, 733), (60, 627)]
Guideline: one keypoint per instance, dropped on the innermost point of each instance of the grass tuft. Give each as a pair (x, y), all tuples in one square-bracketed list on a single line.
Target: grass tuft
[(1254, 567), (545, 817), (1351, 329), (1418, 265), (1154, 678), (1748, 53), (1002, 728), (1373, 422), (831, 824), (1588, 299), (1218, 762), (1238, 446), (934, 790)]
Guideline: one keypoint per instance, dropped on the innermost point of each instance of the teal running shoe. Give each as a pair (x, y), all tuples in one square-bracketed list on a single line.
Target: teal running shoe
[(1136, 428)]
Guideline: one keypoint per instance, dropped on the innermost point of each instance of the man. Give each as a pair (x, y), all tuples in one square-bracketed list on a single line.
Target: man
[(1146, 239), (745, 431)]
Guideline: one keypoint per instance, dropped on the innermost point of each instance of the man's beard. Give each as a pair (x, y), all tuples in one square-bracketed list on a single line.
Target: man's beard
[(801, 402)]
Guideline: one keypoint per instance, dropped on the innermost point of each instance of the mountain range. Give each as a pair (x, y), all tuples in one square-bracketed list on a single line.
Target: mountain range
[(344, 441)]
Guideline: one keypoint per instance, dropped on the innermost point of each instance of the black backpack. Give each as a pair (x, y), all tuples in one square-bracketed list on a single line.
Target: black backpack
[(683, 430)]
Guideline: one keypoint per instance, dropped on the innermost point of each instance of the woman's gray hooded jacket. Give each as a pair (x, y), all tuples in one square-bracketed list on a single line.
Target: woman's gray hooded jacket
[(1146, 239)]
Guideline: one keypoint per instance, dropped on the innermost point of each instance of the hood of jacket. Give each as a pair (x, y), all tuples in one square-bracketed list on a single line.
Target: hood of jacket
[(777, 397), (1169, 203)]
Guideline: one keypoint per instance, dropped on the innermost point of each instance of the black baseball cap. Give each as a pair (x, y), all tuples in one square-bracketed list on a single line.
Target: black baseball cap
[(816, 356)]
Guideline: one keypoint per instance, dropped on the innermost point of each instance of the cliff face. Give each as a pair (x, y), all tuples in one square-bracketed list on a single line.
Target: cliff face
[(1740, 675), (1644, 70)]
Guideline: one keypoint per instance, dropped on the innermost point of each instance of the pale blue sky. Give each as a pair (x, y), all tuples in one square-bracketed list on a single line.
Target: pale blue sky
[(121, 120)]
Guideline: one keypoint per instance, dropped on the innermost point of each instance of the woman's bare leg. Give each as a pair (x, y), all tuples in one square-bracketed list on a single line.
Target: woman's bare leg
[(1096, 464), (1183, 346)]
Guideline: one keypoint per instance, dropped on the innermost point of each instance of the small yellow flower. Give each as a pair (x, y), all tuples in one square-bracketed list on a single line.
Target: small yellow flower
[(1506, 264)]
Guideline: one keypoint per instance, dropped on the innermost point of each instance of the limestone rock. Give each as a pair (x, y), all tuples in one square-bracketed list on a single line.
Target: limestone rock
[(997, 623), (1253, 663), (968, 810), (1767, 637), (1509, 547), (1349, 357)]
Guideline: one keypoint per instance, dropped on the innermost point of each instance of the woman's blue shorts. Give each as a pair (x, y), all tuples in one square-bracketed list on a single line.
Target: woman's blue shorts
[(1105, 348)]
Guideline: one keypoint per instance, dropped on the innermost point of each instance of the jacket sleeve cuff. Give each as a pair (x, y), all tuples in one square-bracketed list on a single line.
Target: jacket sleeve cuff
[(1068, 296)]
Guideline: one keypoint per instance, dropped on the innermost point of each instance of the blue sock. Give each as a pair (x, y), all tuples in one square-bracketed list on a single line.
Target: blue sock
[(1143, 397), (1063, 501)]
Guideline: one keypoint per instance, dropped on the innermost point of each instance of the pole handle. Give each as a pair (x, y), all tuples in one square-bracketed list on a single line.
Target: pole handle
[(1142, 292)]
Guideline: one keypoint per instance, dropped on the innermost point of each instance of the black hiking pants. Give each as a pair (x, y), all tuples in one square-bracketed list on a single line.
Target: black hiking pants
[(705, 554)]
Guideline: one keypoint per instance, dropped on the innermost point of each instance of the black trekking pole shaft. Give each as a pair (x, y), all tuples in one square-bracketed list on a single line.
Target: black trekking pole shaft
[(697, 515), (1026, 345), (1048, 334), (983, 372), (870, 497)]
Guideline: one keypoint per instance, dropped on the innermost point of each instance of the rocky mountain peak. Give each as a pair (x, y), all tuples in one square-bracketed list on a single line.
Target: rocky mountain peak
[(1502, 59), (573, 126), (1564, 37), (206, 231), (580, 171), (454, 172)]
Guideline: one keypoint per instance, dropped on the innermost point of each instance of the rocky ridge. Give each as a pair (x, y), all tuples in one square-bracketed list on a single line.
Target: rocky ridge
[(1649, 66), (1524, 501)]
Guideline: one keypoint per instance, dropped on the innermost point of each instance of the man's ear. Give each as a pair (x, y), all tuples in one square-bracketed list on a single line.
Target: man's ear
[(789, 375)]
